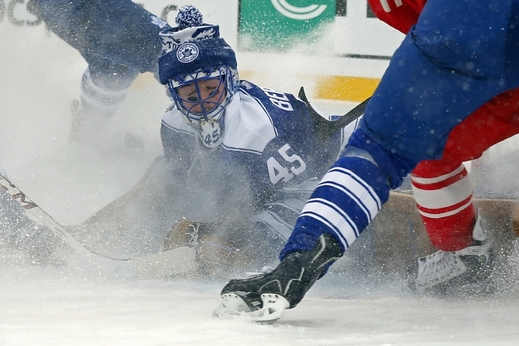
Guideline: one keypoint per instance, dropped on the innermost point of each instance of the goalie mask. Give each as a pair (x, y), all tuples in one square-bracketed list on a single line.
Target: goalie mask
[(200, 71)]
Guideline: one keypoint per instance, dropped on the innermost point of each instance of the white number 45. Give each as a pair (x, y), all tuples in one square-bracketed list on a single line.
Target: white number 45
[(294, 166)]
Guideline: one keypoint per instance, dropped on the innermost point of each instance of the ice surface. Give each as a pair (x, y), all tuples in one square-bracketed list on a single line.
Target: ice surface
[(83, 305), (71, 307)]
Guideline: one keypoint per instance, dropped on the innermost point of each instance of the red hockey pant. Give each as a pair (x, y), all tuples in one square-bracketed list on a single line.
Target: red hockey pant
[(442, 187)]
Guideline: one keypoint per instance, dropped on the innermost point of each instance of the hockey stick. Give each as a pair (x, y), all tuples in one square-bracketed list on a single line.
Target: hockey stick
[(163, 264), (326, 128)]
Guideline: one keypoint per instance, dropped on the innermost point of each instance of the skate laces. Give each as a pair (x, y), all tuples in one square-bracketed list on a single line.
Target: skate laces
[(192, 234), (439, 267), (442, 266)]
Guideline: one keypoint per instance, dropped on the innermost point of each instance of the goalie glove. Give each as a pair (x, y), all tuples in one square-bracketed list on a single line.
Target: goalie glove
[(215, 256)]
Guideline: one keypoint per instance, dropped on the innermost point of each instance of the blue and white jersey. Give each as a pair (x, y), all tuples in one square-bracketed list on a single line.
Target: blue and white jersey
[(267, 134), (270, 149)]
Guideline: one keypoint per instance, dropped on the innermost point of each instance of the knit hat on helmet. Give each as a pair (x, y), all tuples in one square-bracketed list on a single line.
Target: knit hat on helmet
[(191, 46)]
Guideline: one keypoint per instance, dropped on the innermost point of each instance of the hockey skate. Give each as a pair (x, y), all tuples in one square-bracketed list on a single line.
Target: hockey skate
[(449, 272), (265, 297)]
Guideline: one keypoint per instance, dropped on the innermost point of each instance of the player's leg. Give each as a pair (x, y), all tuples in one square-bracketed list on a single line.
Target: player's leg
[(343, 204), (119, 31), (359, 182), (118, 39), (443, 193), (102, 94), (400, 117)]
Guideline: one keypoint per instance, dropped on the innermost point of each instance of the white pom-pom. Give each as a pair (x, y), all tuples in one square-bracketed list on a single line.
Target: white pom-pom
[(188, 16)]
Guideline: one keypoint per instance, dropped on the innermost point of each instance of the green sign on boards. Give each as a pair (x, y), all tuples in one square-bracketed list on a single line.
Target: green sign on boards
[(279, 24)]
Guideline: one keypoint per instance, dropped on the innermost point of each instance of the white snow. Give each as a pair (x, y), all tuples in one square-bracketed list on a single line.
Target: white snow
[(83, 305)]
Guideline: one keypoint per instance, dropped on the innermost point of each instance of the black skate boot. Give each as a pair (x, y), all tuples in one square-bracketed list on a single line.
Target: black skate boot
[(264, 297)]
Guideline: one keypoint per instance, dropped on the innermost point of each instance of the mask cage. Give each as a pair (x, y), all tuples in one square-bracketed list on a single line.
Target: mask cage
[(209, 121)]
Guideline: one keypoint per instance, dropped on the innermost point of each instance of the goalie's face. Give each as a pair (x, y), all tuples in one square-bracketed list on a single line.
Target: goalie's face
[(200, 98)]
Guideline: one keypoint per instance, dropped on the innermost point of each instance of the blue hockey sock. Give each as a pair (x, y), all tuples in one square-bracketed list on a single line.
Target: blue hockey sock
[(343, 204)]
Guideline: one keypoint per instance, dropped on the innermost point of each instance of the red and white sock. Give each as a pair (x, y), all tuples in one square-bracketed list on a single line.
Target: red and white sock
[(444, 201)]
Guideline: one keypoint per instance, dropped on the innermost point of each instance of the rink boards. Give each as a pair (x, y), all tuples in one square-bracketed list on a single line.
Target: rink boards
[(399, 236), (344, 62)]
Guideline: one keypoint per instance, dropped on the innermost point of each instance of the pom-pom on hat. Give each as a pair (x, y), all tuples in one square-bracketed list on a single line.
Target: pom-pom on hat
[(191, 46)]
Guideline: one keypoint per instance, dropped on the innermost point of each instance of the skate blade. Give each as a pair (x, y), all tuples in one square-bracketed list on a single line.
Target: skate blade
[(233, 306)]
